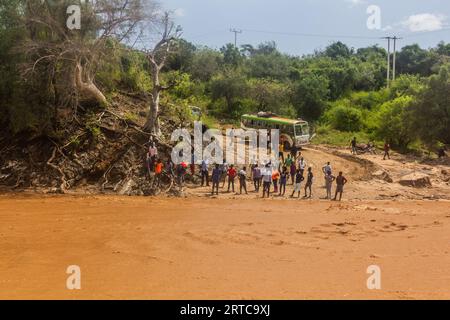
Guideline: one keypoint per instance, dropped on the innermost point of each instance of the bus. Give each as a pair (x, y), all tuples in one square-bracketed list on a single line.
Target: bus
[(292, 132)]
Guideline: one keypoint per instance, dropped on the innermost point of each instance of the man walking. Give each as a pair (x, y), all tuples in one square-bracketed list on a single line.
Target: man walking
[(387, 149), (353, 144)]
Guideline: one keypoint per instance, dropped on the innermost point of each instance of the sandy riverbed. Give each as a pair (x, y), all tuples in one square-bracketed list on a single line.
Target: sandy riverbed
[(203, 248)]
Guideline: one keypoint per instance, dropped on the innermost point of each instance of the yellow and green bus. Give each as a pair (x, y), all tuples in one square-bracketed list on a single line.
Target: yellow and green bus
[(292, 132)]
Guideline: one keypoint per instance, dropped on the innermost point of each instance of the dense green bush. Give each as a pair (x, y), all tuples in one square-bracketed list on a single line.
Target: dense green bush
[(344, 118), (430, 114), (393, 122)]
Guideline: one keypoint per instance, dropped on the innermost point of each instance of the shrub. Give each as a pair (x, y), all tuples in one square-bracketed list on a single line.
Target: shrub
[(345, 118)]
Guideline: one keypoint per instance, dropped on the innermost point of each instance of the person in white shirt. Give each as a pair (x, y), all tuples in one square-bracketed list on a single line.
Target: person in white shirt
[(205, 172), (267, 179), (243, 180), (302, 164), (327, 169)]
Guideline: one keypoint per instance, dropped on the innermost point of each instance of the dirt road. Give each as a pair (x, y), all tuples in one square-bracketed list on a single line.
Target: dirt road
[(222, 249), (361, 172)]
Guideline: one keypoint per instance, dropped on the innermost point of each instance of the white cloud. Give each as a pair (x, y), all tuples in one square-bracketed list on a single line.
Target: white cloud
[(180, 12), (425, 22)]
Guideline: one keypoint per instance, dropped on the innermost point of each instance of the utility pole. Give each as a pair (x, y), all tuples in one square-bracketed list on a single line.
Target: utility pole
[(388, 61), (395, 55), (236, 32)]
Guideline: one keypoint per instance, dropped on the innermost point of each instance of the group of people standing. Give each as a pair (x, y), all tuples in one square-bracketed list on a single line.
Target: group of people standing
[(272, 180)]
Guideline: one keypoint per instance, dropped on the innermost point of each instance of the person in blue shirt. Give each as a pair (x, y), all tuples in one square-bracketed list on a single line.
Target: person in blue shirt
[(216, 175), (283, 181)]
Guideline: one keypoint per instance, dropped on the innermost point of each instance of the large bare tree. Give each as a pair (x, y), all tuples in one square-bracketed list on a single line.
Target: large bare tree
[(70, 58), (157, 57)]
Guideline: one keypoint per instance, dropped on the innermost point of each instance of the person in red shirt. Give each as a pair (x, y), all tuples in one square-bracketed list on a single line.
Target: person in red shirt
[(231, 176), (158, 171), (275, 178)]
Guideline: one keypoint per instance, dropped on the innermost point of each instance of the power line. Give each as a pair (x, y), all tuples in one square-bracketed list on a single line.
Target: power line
[(314, 35), (236, 32)]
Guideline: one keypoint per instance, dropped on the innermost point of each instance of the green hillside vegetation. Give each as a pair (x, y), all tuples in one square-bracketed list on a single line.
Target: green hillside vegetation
[(340, 90)]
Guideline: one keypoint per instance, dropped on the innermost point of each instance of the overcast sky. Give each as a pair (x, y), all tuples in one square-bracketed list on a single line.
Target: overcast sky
[(301, 26)]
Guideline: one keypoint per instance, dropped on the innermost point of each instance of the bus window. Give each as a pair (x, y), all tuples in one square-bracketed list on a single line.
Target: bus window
[(305, 129)]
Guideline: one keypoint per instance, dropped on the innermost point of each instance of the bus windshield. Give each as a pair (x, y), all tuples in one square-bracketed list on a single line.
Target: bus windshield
[(301, 130)]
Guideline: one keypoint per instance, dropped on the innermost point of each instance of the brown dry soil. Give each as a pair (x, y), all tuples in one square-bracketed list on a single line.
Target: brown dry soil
[(232, 246)]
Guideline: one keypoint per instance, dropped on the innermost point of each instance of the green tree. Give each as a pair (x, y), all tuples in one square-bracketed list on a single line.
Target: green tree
[(270, 65), (310, 95), (338, 50), (415, 60), (271, 96), (230, 86), (182, 57), (205, 64), (394, 122), (431, 113), (345, 118), (231, 55)]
